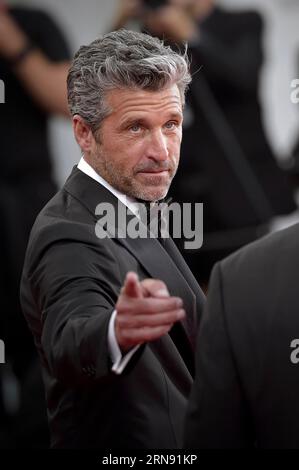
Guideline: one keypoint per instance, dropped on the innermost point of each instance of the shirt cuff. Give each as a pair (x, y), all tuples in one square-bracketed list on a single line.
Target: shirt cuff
[(119, 362)]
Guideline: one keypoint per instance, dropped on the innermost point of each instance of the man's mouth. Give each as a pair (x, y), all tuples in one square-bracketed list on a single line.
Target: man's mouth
[(154, 172)]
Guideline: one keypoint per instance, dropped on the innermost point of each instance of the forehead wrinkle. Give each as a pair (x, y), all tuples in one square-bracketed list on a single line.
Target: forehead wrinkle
[(170, 108), (143, 98), (132, 105)]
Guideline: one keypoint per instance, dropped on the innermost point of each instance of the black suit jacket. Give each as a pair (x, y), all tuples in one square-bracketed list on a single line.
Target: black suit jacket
[(246, 388), (70, 285)]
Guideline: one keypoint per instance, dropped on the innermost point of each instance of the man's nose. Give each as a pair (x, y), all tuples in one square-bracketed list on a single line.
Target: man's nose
[(157, 149)]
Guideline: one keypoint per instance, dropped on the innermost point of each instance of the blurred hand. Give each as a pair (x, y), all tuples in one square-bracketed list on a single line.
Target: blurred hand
[(145, 311), (199, 9), (12, 39), (171, 22), (127, 9)]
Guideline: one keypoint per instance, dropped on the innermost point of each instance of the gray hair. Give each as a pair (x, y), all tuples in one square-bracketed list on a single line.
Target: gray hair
[(117, 60)]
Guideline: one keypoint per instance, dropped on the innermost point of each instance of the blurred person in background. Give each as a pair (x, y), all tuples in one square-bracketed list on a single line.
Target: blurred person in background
[(227, 162), (293, 163), (33, 66), (127, 10)]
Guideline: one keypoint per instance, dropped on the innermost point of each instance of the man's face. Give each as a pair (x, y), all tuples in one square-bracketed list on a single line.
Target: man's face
[(139, 142)]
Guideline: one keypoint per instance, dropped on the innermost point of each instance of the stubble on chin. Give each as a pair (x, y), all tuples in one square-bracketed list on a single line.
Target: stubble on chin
[(126, 183)]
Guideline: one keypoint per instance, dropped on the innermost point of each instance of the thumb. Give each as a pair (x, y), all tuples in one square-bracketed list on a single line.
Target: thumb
[(132, 287)]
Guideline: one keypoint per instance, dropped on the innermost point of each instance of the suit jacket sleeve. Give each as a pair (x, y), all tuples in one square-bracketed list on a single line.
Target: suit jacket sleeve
[(76, 287), (217, 413)]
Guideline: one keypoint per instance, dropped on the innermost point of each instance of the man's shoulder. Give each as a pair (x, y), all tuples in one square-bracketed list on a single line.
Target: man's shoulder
[(71, 215), (63, 218), (270, 249), (262, 271), (65, 232)]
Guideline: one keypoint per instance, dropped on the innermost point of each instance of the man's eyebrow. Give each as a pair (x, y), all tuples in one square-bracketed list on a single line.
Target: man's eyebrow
[(132, 120), (175, 115), (141, 120)]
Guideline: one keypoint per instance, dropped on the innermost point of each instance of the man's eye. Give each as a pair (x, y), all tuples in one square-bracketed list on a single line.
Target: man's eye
[(171, 125), (135, 128)]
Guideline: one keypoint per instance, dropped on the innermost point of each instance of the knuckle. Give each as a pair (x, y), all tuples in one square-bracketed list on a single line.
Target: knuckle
[(148, 306), (177, 302), (159, 284)]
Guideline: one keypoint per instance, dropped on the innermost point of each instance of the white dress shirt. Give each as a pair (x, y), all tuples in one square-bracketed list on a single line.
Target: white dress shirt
[(119, 362)]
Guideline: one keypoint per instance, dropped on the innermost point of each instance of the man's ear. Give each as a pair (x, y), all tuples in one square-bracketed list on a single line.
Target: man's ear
[(83, 134)]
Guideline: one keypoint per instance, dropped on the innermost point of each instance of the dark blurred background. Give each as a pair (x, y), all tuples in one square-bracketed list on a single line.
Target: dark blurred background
[(240, 151)]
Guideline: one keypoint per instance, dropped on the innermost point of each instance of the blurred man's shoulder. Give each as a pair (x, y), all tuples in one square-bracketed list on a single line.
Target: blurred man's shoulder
[(267, 253)]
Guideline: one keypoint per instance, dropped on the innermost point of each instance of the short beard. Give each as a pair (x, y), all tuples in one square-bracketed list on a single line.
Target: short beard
[(126, 184)]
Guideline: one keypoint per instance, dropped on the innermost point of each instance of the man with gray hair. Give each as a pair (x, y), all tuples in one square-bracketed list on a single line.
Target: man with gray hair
[(114, 318)]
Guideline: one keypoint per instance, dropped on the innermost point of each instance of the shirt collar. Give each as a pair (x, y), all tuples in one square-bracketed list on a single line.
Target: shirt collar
[(129, 202)]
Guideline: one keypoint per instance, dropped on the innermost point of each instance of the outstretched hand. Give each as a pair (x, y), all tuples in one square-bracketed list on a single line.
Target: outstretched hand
[(145, 311)]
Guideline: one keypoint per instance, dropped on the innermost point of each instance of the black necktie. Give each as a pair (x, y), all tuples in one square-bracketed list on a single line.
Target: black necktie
[(151, 215)]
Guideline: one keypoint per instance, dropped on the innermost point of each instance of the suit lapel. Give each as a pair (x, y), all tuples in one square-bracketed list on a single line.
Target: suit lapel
[(172, 362), (176, 256)]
